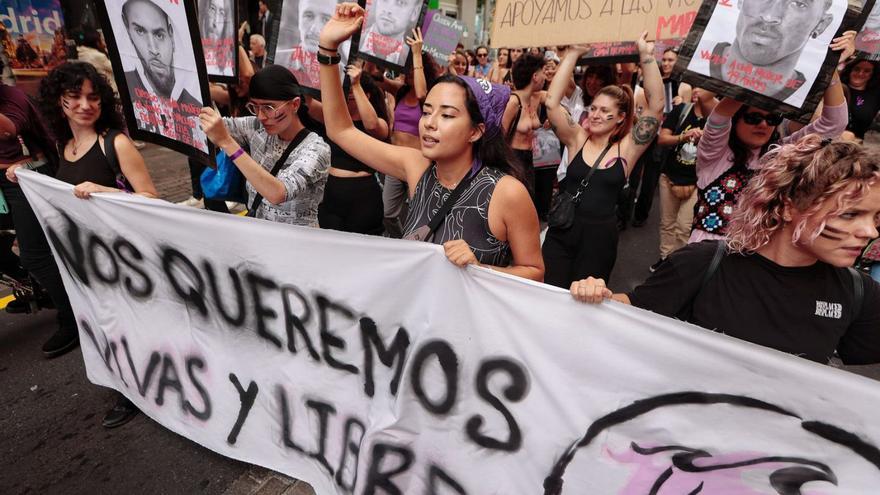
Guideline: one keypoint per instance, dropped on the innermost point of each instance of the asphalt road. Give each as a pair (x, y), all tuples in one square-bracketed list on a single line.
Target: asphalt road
[(51, 440)]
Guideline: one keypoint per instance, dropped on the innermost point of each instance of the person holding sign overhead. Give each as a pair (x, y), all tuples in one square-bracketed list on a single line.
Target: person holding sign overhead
[(462, 193), (587, 246), (736, 135)]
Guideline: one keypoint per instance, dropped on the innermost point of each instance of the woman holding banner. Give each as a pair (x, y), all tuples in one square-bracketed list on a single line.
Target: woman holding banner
[(588, 246), (461, 193), (95, 155), (736, 135), (782, 280)]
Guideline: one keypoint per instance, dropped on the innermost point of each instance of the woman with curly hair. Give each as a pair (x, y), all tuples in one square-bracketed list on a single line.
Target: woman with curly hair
[(81, 108), (782, 279)]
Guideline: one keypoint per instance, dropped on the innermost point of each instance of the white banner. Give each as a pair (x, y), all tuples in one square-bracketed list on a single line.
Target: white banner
[(368, 365)]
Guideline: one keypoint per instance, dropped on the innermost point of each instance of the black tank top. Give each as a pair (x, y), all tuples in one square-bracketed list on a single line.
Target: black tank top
[(342, 160), (468, 219), (599, 199), (91, 167)]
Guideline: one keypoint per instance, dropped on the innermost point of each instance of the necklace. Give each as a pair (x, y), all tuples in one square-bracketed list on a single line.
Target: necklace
[(75, 145)]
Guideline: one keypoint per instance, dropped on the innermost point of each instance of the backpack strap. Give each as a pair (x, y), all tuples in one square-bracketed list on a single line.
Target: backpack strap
[(513, 125), (720, 251), (858, 291), (110, 150)]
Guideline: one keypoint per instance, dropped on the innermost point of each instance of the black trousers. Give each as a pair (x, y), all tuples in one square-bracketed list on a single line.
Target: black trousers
[(195, 176), (652, 166), (587, 249), (545, 177), (36, 256), (352, 204)]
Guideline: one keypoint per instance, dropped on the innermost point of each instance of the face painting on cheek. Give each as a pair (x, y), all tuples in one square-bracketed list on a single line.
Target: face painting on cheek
[(833, 234)]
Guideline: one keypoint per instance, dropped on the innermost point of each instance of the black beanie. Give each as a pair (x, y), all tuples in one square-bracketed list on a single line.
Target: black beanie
[(274, 83)]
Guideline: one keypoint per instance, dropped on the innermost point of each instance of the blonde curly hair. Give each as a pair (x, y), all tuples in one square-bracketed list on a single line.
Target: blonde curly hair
[(806, 175)]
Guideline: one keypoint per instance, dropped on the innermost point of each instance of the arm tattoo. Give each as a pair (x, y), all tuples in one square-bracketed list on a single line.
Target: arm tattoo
[(645, 130)]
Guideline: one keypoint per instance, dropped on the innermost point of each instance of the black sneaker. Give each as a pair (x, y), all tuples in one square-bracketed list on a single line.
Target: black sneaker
[(122, 412), (64, 340), (656, 265)]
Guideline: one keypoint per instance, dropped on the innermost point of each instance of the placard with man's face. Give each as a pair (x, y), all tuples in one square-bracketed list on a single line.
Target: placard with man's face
[(160, 70), (388, 23), (218, 31), (769, 52), (298, 33), (868, 40)]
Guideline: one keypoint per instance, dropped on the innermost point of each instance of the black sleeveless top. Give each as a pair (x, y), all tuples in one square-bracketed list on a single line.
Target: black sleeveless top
[(92, 167), (599, 199), (342, 160), (468, 219)]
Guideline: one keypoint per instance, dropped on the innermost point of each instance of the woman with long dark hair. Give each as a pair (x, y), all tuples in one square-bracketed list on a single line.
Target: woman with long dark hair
[(81, 109), (735, 136), (501, 66), (606, 150), (862, 79), (491, 221)]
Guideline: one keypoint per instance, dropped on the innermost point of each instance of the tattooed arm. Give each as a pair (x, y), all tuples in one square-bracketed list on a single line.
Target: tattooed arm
[(567, 130), (648, 123)]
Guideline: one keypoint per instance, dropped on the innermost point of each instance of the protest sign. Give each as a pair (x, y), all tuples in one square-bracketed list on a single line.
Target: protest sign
[(441, 35), (156, 50), (552, 22), (610, 52), (217, 25), (782, 66), (546, 150), (297, 47), (369, 365), (32, 35), (387, 24), (868, 39)]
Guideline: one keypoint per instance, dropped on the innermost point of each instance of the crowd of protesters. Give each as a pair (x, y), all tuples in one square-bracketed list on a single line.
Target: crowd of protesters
[(781, 224)]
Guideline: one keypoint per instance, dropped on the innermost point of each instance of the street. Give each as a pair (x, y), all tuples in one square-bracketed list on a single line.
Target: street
[(52, 439)]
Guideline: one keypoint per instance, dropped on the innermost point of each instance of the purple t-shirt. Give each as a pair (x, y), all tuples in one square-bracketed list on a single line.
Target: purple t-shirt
[(14, 104)]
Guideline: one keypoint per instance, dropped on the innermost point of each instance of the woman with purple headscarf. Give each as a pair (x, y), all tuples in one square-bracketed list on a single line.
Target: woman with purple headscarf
[(463, 157)]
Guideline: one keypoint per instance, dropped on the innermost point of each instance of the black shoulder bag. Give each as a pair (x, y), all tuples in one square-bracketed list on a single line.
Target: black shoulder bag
[(561, 214), (426, 232), (258, 199)]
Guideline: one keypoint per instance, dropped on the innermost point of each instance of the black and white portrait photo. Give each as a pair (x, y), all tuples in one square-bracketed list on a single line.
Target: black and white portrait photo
[(217, 27), (775, 48), (298, 32), (868, 40), (159, 67), (388, 23)]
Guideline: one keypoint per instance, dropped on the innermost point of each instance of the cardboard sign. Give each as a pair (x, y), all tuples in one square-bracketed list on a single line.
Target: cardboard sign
[(369, 365), (524, 23), (441, 34), (156, 51)]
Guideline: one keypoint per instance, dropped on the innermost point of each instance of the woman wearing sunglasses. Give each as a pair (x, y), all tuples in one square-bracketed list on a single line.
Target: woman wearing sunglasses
[(735, 136), (287, 165)]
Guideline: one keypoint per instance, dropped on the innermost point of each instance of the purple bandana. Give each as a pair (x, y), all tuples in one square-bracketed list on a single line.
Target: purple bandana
[(492, 100)]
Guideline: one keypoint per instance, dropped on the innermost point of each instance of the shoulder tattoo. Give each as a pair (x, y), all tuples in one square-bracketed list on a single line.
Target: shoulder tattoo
[(645, 129)]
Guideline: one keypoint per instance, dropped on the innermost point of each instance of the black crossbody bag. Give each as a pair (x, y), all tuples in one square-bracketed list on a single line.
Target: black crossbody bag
[(258, 199), (561, 214)]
